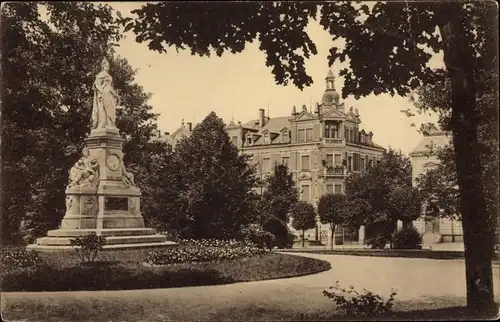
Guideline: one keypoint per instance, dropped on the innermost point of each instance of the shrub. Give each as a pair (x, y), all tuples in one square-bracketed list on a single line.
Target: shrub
[(378, 241), (87, 247), (407, 238), (206, 250), (356, 304), (256, 235), (19, 259)]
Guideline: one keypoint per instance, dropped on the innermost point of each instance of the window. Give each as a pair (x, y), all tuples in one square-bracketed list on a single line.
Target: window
[(370, 163), (305, 193), (285, 160), (338, 188), (302, 135), (286, 137), (234, 139), (356, 161), (346, 134), (329, 160), (249, 140), (309, 135), (329, 188), (331, 131), (349, 163), (305, 166), (266, 165), (267, 140), (338, 159)]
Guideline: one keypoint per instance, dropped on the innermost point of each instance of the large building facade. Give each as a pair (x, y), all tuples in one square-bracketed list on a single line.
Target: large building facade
[(320, 147), (424, 158)]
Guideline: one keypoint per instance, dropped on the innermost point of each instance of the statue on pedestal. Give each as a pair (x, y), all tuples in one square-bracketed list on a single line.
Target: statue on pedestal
[(106, 100), (85, 172)]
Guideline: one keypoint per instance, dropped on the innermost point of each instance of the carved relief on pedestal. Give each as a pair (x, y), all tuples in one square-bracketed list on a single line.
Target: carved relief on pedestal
[(89, 205), (133, 205), (69, 202), (113, 162), (73, 204)]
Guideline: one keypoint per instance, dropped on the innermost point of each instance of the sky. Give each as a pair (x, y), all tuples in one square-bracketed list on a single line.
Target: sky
[(236, 86)]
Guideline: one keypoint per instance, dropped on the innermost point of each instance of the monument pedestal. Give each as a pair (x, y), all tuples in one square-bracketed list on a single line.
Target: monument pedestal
[(102, 198)]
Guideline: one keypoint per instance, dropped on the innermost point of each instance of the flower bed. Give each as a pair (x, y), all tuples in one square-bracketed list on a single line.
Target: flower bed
[(18, 259), (204, 251)]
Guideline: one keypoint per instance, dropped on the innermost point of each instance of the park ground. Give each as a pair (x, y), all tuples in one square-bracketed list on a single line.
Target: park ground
[(426, 289)]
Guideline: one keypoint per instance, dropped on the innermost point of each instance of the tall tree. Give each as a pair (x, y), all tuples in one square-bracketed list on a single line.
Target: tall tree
[(49, 63), (217, 184), (383, 195), (303, 218), (439, 186), (331, 210), (278, 200), (405, 204), (388, 45)]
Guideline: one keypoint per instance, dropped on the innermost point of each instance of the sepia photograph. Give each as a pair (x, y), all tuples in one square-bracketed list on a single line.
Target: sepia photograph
[(249, 161)]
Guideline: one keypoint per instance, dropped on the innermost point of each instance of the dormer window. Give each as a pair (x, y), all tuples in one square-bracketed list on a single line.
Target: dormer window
[(267, 138), (249, 140), (286, 136)]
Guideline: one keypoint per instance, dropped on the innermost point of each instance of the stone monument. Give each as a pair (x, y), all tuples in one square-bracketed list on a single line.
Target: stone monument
[(101, 195)]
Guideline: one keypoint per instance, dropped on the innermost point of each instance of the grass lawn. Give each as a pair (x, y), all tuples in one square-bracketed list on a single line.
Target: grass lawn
[(121, 270), (157, 308)]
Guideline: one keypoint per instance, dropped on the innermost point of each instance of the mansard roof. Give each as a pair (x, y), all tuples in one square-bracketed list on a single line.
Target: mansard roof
[(435, 139)]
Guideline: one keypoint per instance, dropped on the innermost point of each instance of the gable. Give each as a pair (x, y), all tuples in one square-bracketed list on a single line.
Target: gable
[(352, 117), (333, 113), (304, 116)]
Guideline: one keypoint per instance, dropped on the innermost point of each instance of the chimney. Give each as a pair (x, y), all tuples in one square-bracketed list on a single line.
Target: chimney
[(190, 126), (262, 118)]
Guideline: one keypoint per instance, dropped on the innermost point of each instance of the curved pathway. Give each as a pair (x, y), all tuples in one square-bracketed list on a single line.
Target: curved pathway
[(412, 278)]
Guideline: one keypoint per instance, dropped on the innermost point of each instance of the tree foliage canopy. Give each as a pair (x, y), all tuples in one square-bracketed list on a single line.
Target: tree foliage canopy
[(331, 209), (303, 216), (383, 193), (215, 184)]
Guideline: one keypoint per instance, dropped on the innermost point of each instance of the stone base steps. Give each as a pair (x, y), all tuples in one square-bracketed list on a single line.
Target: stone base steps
[(103, 232), (116, 238), (110, 240), (54, 249)]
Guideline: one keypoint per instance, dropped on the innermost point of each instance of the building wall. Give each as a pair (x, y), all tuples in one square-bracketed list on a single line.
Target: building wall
[(446, 230)]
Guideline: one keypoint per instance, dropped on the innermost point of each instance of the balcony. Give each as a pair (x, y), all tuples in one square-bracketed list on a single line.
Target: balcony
[(333, 141), (335, 171)]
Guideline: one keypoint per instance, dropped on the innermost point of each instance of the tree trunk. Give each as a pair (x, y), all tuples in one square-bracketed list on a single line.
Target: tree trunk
[(332, 236), (303, 238), (459, 58)]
